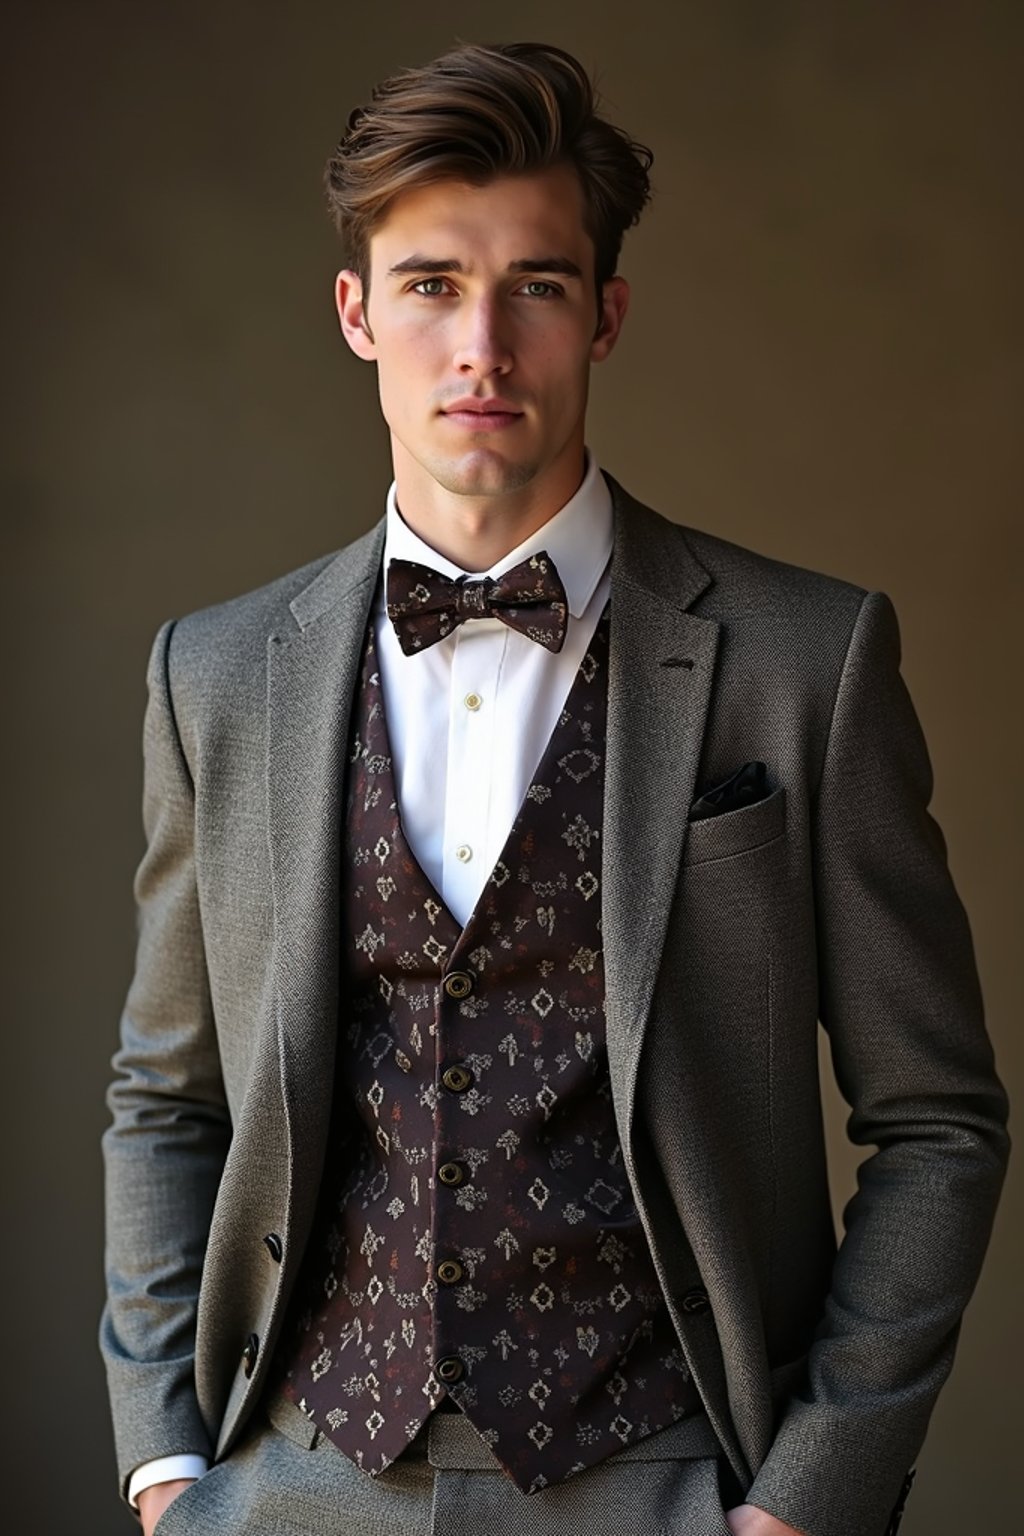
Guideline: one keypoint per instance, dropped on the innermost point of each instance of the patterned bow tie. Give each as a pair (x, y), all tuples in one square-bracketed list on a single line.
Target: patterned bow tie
[(424, 606)]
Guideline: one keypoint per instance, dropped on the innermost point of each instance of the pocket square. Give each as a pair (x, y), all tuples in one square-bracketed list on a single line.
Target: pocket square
[(747, 785)]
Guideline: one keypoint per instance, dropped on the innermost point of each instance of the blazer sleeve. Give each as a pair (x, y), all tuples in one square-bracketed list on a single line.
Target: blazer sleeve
[(900, 999), (165, 1148)]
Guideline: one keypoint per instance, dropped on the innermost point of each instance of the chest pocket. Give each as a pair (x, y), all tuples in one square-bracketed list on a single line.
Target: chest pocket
[(736, 832)]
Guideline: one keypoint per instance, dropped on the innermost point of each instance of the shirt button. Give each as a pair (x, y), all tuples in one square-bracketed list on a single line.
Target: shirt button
[(457, 1079), (451, 1174), (458, 984), (463, 853), (449, 1370), (449, 1271), (472, 701)]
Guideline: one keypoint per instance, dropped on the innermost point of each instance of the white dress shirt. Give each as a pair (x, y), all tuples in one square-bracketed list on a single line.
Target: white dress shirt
[(469, 717), (468, 720)]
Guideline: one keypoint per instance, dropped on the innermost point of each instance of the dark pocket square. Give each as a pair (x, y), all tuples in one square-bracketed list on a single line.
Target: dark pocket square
[(744, 787)]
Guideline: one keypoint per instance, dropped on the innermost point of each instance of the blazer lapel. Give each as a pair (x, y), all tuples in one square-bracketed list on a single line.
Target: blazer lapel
[(312, 669), (660, 675)]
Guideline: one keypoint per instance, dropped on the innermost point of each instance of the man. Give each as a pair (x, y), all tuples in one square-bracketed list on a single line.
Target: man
[(466, 1169)]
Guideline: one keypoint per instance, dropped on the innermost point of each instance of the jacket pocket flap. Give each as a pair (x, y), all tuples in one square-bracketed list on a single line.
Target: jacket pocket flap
[(720, 837)]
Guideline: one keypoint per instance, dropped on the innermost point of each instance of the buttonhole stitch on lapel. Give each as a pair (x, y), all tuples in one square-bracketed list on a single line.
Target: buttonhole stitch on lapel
[(679, 661)]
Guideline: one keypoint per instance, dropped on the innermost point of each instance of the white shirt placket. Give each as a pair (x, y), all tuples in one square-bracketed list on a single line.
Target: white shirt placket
[(474, 739)]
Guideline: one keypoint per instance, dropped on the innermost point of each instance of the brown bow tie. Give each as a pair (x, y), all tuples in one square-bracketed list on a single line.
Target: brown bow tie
[(424, 606)]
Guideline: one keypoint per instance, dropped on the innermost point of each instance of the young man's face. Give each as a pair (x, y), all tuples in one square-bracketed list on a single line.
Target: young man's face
[(483, 319)]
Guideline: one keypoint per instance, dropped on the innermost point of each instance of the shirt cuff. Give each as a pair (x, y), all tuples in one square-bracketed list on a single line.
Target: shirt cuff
[(166, 1469)]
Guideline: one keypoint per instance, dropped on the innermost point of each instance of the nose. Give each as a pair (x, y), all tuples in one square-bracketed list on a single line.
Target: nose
[(483, 345)]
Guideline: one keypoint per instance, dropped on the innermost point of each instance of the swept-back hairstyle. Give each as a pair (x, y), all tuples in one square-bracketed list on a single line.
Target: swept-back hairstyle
[(477, 113)]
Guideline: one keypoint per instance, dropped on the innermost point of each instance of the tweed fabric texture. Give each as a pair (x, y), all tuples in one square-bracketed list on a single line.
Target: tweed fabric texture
[(279, 1481), (724, 944), (482, 1217)]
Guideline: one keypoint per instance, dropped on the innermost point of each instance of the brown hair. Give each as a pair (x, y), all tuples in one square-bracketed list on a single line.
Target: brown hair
[(477, 113)]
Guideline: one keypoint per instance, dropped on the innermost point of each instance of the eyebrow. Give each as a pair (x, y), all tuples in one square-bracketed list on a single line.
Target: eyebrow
[(558, 264), (427, 266)]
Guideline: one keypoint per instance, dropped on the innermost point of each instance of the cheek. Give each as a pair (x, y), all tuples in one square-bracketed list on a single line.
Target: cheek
[(561, 352), (562, 371), (416, 342), (405, 359)]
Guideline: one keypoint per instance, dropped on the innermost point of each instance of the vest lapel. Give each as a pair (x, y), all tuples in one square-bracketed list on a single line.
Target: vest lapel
[(660, 674), (312, 667)]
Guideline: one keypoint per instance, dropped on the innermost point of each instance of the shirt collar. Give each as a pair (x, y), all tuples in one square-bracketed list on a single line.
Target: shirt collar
[(578, 538)]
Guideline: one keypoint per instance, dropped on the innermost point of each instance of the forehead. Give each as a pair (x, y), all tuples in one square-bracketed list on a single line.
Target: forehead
[(504, 220)]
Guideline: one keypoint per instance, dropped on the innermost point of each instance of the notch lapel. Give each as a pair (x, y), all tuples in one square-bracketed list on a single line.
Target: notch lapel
[(312, 669), (660, 674)]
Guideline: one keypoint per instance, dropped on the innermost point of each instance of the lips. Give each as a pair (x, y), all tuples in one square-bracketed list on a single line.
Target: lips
[(488, 406), (482, 414)]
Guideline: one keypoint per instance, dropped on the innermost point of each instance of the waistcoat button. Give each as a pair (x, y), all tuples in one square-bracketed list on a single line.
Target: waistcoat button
[(451, 1174), (249, 1353), (696, 1301), (449, 1370), (275, 1247), (458, 984), (449, 1271), (457, 1079)]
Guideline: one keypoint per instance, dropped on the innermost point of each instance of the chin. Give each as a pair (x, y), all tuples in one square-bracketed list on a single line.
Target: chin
[(482, 474)]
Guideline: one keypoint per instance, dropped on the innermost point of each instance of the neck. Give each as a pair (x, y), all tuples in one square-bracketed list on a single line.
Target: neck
[(475, 532)]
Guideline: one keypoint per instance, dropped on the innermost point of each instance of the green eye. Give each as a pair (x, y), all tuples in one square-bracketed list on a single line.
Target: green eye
[(430, 287), (538, 290)]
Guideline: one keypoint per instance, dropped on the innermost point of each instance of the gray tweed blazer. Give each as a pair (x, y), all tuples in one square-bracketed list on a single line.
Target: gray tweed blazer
[(727, 939)]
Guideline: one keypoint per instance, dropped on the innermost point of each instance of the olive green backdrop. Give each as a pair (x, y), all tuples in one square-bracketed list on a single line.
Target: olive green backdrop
[(822, 361)]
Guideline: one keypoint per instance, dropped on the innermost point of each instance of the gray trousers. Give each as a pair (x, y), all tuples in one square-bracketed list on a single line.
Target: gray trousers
[(284, 1479)]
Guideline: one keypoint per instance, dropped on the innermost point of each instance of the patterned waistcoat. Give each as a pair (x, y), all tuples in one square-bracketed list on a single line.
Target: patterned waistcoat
[(476, 1233)]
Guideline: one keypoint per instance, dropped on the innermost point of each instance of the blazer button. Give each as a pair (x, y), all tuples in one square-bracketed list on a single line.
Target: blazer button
[(275, 1247), (249, 1353), (449, 1370), (696, 1301), (451, 1174), (449, 1271), (458, 984), (457, 1079)]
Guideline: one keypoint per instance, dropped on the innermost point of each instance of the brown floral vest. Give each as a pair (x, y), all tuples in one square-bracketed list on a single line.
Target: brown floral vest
[(476, 1233)]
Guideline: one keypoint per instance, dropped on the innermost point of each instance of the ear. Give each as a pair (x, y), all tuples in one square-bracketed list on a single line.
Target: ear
[(614, 303), (348, 300)]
